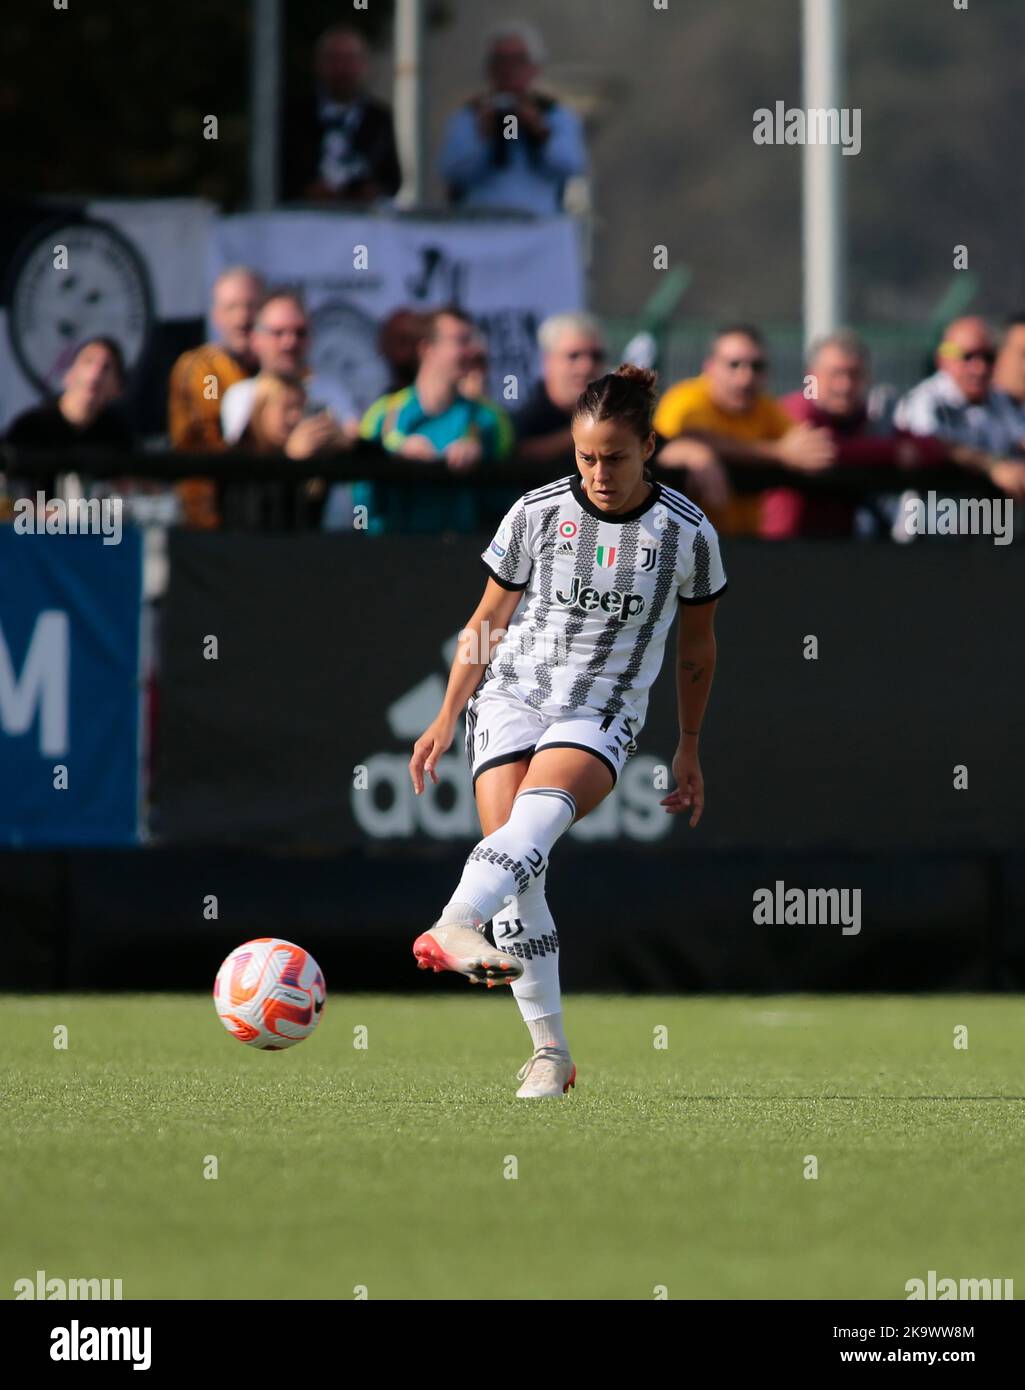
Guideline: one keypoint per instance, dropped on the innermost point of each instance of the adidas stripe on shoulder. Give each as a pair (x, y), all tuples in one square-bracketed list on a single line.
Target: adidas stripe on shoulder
[(682, 506), (546, 493)]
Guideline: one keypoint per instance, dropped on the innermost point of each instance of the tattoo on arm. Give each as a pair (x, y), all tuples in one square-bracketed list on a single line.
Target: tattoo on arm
[(698, 671)]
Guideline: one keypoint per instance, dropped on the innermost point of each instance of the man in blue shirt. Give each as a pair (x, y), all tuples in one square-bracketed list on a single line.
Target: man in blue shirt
[(512, 147)]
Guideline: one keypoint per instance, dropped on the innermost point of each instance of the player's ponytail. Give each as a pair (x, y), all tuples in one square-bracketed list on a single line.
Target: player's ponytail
[(628, 395)]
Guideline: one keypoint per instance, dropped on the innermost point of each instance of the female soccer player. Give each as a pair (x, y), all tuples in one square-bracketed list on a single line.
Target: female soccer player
[(603, 559)]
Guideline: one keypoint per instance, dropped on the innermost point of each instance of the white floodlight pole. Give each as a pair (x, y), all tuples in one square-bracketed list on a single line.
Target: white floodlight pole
[(410, 127), (822, 192)]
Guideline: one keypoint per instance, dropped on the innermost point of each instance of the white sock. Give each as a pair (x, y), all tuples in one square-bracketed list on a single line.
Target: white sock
[(460, 912), (547, 1032), (526, 930), (506, 863)]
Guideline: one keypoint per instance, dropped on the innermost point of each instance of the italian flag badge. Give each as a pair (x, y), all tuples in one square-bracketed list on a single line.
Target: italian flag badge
[(606, 556)]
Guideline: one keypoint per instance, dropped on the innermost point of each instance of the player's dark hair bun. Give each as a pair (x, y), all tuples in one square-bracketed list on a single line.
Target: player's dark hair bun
[(627, 394), (644, 379)]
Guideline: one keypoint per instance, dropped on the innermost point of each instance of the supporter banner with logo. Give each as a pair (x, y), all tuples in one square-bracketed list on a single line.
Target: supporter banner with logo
[(140, 272), (333, 652), (69, 689), (355, 270), (132, 271)]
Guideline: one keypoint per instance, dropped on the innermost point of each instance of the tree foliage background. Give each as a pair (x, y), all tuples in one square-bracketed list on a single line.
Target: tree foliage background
[(108, 98)]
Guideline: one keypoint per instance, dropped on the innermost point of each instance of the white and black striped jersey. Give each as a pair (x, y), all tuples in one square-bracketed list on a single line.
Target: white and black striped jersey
[(601, 594)]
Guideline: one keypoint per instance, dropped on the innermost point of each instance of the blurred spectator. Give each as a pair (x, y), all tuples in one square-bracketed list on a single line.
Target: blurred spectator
[(280, 422), (84, 416), (725, 414), (1009, 371), (482, 165), (572, 354), (277, 409), (200, 378), (398, 345), (339, 141), (280, 340), (398, 342), (429, 421), (278, 425), (839, 365), (957, 402), (474, 383)]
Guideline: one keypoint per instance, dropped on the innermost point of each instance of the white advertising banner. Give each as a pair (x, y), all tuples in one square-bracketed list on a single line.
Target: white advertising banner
[(354, 270)]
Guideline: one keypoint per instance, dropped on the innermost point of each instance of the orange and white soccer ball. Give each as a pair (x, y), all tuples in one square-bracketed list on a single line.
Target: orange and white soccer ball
[(269, 993)]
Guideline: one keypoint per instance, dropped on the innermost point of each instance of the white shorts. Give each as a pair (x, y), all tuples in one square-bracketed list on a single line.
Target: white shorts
[(502, 728)]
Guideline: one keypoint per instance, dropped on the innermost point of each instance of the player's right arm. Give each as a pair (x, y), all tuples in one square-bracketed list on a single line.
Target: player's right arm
[(476, 642), (508, 561)]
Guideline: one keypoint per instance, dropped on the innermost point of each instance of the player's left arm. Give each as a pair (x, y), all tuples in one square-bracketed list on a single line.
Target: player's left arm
[(695, 667)]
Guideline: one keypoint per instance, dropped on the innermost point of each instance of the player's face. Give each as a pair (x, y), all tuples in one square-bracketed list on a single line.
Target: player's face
[(611, 461), (736, 372), (234, 311), (841, 379)]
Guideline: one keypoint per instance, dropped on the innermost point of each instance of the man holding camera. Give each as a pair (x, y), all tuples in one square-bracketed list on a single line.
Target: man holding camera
[(512, 147)]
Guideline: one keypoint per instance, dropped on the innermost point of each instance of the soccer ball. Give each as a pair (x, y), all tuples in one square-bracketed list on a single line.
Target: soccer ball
[(269, 993)]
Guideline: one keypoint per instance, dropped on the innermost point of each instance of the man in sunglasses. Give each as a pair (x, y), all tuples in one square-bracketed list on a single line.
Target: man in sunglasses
[(838, 365), (958, 402), (726, 414)]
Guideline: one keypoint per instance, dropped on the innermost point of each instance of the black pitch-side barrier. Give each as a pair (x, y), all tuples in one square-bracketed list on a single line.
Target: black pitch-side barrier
[(367, 460), (280, 785)]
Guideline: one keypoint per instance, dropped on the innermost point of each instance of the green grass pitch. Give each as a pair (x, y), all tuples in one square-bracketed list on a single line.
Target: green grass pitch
[(385, 1168)]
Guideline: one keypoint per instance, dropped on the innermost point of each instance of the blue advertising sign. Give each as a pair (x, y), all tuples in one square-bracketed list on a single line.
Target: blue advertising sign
[(70, 704)]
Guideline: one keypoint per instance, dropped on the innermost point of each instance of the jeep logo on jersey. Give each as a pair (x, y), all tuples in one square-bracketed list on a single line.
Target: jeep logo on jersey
[(610, 601)]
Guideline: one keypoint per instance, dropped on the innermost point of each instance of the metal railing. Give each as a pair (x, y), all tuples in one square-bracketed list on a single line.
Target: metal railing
[(368, 462)]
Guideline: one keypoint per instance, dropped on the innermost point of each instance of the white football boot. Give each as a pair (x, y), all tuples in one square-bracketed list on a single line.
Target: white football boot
[(463, 947), (550, 1072)]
